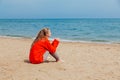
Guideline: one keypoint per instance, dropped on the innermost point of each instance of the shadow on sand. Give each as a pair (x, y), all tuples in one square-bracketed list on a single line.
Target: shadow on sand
[(27, 61)]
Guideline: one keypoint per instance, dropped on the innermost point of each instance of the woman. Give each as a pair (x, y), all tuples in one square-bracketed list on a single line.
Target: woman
[(40, 45)]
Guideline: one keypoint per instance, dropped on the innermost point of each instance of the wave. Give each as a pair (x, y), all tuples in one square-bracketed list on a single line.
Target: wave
[(16, 36), (65, 40)]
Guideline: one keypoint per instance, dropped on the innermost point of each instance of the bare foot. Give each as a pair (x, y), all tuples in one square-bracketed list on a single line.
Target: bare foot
[(60, 60)]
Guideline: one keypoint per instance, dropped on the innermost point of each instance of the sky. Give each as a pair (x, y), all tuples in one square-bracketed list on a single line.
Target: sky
[(59, 9)]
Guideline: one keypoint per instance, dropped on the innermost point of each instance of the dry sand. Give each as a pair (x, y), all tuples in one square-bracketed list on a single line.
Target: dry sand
[(83, 61)]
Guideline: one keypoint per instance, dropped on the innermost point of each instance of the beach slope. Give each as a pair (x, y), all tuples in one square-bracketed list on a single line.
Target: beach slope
[(83, 61)]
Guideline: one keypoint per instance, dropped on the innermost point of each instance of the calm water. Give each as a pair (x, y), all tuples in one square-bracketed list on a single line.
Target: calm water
[(90, 30)]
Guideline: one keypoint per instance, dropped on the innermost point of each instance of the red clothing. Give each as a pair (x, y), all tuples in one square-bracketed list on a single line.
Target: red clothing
[(39, 48)]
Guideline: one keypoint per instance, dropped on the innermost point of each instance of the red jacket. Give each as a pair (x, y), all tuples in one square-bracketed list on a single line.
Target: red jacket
[(39, 48)]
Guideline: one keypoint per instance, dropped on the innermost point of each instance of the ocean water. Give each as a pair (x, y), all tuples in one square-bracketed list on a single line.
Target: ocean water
[(102, 30)]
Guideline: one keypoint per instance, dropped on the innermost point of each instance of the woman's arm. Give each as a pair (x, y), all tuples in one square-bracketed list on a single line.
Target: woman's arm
[(52, 47)]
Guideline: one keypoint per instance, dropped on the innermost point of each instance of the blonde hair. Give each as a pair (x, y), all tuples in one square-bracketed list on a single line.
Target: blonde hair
[(42, 34)]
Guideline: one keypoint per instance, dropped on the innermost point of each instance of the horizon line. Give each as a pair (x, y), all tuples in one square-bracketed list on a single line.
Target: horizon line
[(64, 18)]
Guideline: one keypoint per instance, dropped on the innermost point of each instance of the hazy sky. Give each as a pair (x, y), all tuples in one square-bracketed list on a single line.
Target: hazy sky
[(59, 8)]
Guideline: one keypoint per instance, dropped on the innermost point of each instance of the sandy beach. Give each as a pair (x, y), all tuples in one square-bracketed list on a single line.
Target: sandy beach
[(83, 61)]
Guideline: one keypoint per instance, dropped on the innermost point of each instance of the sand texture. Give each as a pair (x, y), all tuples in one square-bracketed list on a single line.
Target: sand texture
[(83, 61)]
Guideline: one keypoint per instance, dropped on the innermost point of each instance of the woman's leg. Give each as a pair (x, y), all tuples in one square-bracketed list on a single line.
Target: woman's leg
[(55, 55), (45, 56)]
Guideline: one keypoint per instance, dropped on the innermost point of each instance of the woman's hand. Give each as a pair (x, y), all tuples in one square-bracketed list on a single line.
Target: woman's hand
[(57, 39)]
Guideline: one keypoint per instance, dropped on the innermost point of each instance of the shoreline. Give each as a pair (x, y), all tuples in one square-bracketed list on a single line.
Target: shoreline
[(67, 41)]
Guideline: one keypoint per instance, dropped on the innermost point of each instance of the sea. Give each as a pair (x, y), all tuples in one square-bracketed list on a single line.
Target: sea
[(98, 30)]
